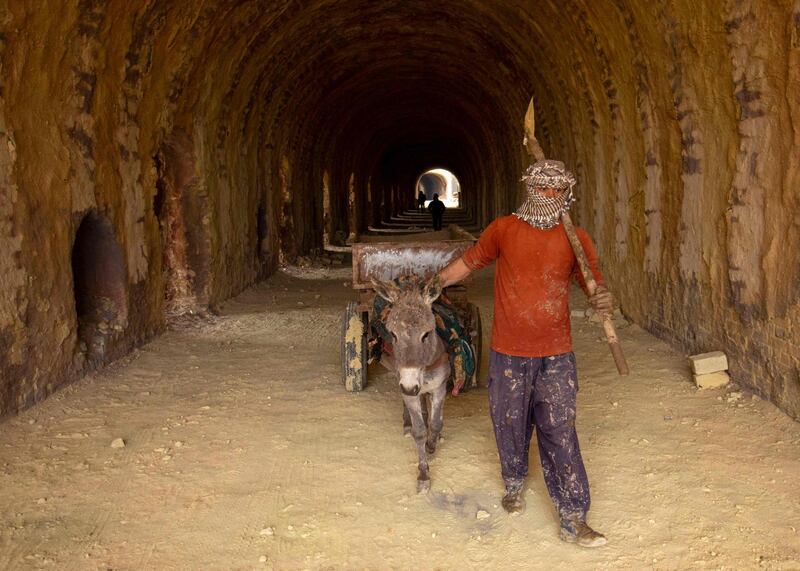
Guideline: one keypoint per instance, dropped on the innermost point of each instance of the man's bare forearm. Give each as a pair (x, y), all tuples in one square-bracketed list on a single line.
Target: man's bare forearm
[(454, 272)]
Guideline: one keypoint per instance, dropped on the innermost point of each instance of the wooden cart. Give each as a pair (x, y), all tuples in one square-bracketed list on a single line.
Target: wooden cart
[(385, 258)]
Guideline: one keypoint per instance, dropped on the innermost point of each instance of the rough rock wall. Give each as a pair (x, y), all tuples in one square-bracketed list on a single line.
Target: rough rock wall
[(110, 110), (202, 134), (687, 150)]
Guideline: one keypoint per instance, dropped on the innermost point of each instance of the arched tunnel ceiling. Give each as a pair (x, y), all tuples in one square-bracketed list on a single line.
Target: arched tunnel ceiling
[(390, 84), (406, 72), (221, 138)]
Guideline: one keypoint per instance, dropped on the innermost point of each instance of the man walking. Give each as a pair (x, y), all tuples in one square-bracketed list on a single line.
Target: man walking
[(421, 200), (532, 375), (436, 208)]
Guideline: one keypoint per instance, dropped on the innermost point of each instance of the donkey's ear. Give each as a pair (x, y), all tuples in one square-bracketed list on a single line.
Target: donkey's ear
[(387, 290), (432, 289)]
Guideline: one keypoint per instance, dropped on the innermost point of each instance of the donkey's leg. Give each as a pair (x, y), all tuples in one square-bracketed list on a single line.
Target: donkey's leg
[(406, 421), (425, 406), (436, 417), (419, 432)]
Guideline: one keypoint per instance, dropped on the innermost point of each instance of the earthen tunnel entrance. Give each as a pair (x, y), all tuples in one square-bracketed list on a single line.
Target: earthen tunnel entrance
[(160, 158), (223, 138)]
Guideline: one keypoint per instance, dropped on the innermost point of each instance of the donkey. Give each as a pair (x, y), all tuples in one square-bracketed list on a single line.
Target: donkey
[(420, 361)]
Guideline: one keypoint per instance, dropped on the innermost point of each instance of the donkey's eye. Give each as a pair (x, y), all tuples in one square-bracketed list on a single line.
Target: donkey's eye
[(425, 336)]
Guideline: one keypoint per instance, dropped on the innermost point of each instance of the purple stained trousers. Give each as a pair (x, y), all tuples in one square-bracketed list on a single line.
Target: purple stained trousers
[(540, 392)]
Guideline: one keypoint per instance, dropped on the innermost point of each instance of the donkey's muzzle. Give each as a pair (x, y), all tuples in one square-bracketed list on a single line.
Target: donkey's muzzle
[(410, 391)]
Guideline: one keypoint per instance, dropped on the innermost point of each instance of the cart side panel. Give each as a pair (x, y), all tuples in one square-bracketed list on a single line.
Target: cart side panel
[(385, 262)]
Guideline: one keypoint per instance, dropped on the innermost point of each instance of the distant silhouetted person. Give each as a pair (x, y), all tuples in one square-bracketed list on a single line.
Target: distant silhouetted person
[(437, 208), (421, 200)]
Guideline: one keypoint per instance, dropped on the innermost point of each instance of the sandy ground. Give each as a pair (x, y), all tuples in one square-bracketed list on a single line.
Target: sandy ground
[(243, 451)]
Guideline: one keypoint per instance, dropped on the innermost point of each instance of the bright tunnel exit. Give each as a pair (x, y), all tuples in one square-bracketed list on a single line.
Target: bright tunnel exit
[(441, 182)]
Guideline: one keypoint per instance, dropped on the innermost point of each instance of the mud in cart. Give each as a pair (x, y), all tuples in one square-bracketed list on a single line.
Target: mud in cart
[(388, 257)]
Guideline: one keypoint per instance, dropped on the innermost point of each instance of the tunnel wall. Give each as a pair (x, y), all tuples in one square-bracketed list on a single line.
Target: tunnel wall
[(101, 114), (200, 133), (689, 172)]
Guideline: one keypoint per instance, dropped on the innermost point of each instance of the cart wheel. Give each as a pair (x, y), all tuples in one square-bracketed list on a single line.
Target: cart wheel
[(354, 348), (475, 334)]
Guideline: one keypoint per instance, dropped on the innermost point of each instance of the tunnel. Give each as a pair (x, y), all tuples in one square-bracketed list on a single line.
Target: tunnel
[(158, 159), (206, 134), (442, 183), (99, 285)]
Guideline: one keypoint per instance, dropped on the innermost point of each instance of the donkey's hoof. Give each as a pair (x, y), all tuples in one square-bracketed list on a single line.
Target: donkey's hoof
[(430, 447), (423, 486), (407, 431)]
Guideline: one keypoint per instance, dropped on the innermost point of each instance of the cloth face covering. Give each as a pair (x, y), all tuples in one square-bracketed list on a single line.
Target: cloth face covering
[(541, 211)]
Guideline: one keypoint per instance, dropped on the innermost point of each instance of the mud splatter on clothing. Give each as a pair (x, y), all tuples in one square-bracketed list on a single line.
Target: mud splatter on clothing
[(531, 285), (540, 392)]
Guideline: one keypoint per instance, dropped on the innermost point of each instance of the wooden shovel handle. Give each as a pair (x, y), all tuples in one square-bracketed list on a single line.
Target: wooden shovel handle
[(535, 150), (591, 287)]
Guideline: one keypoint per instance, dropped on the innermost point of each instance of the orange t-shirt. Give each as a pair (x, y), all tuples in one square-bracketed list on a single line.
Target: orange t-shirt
[(531, 284)]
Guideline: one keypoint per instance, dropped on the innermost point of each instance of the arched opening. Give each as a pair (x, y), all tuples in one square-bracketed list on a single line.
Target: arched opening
[(441, 182), (99, 285)]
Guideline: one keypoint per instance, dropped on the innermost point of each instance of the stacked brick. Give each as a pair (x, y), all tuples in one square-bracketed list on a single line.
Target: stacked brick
[(710, 370)]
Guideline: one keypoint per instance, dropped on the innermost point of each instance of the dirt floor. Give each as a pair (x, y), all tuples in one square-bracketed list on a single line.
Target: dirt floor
[(243, 451)]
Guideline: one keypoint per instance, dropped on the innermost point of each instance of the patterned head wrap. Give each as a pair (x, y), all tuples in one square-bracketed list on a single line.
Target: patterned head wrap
[(541, 211)]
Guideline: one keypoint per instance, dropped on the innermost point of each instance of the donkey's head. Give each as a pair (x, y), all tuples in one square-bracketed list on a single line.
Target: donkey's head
[(413, 328)]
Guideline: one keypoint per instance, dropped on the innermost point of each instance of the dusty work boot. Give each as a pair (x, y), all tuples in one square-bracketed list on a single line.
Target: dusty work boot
[(575, 530), (513, 502)]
